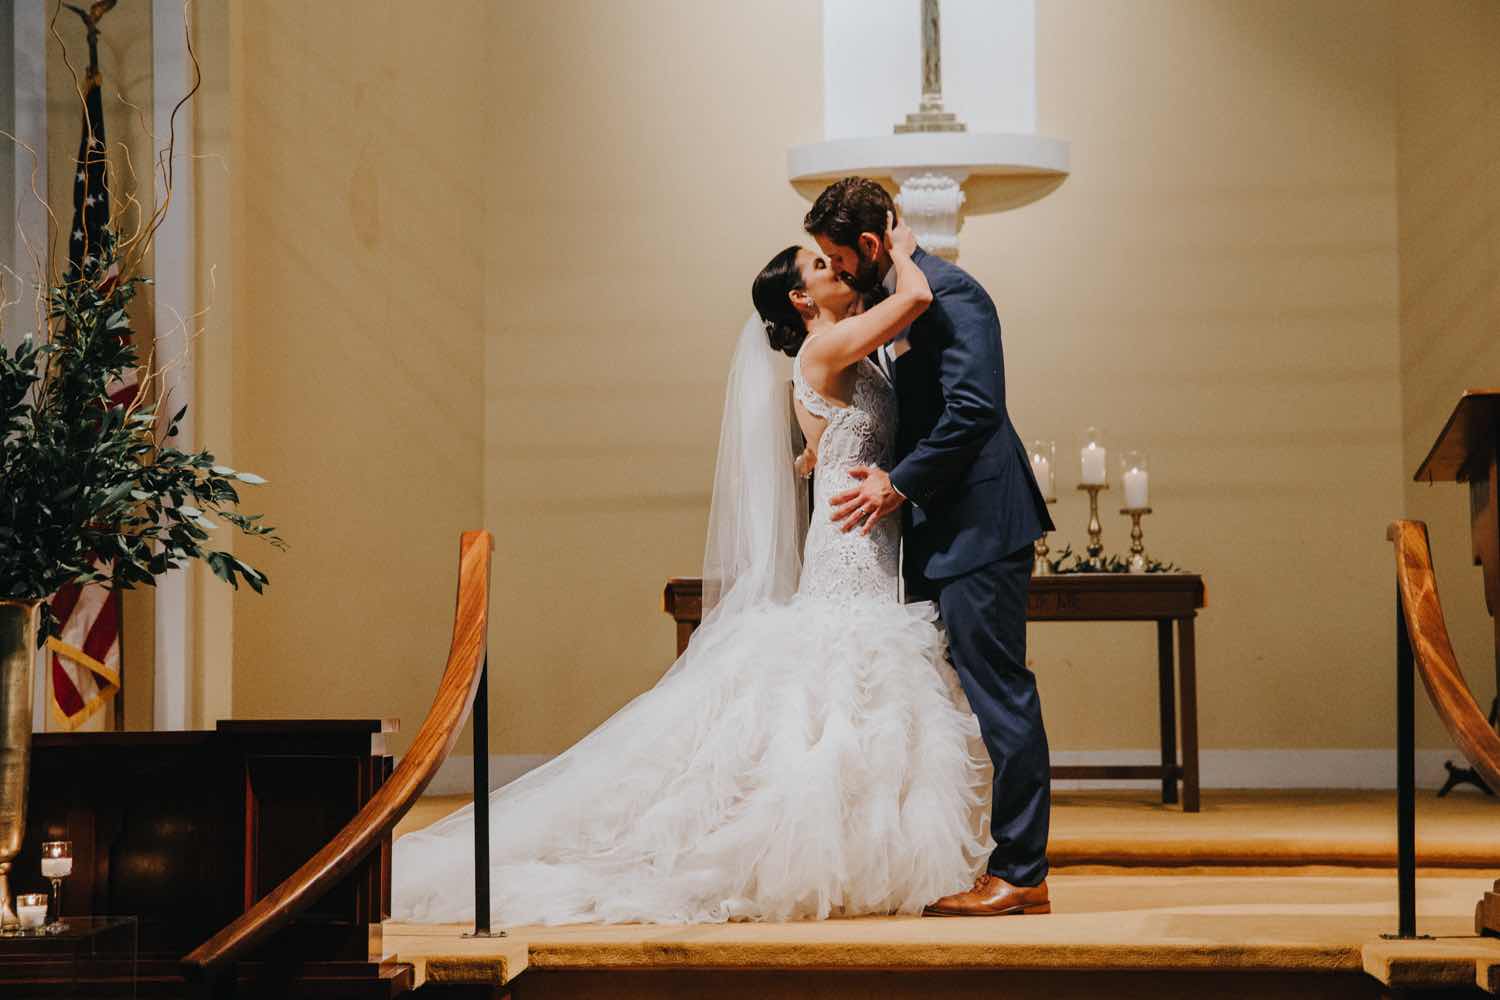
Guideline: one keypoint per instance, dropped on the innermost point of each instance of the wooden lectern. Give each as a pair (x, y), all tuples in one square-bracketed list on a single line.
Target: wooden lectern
[(1468, 451)]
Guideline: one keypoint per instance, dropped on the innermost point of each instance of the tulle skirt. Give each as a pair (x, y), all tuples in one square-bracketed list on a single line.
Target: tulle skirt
[(802, 760)]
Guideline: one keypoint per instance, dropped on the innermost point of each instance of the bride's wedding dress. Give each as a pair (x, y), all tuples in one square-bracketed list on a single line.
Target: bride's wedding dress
[(808, 758)]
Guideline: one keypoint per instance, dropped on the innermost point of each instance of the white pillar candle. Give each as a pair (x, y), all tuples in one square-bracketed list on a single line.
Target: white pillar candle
[(57, 867), (32, 917), (1094, 458), (1136, 495), (1041, 467)]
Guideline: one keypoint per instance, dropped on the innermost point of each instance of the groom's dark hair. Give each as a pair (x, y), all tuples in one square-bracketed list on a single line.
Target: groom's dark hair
[(847, 208)]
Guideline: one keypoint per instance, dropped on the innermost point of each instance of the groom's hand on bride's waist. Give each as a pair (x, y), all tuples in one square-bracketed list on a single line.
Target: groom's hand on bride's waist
[(868, 502)]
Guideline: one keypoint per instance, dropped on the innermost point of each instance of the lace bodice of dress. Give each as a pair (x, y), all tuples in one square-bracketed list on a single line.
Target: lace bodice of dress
[(850, 565)]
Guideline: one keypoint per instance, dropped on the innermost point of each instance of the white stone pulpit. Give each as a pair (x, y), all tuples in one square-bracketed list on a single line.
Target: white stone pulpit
[(979, 151)]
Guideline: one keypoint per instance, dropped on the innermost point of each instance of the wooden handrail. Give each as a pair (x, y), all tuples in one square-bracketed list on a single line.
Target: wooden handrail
[(431, 746), (1433, 651)]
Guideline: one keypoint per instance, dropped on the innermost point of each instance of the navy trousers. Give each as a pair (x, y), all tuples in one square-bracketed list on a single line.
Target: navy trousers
[(985, 615)]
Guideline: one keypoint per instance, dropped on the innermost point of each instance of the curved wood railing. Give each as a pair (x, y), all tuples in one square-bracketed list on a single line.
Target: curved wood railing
[(431, 746), (1433, 651)]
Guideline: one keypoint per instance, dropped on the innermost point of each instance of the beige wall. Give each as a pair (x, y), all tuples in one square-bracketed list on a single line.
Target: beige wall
[(1448, 169), (360, 230), (642, 180), (1216, 283), (538, 343)]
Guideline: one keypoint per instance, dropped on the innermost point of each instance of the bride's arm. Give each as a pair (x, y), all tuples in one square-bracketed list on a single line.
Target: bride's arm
[(853, 338)]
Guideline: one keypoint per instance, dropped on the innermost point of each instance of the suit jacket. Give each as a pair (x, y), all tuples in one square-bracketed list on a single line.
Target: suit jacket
[(960, 463)]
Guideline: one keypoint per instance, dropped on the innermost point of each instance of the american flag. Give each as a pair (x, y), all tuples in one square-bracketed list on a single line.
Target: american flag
[(84, 659)]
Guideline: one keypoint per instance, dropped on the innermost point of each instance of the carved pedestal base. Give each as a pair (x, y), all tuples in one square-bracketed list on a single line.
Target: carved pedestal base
[(1487, 914), (932, 204)]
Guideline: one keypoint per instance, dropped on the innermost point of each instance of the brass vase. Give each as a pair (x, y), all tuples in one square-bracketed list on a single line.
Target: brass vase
[(17, 658)]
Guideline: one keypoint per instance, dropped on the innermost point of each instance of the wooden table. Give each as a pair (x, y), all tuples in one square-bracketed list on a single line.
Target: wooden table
[(1163, 598)]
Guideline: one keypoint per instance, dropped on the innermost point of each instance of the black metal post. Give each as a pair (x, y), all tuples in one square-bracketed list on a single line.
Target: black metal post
[(480, 718), (1406, 780)]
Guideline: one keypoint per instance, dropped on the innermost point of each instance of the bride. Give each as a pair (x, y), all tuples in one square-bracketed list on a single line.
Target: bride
[(808, 755)]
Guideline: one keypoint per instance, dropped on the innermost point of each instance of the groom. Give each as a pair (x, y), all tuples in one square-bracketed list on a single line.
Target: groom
[(970, 512)]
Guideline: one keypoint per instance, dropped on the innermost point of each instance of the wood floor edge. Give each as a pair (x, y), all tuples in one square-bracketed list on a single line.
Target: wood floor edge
[(1440, 963), (472, 968), (1131, 856)]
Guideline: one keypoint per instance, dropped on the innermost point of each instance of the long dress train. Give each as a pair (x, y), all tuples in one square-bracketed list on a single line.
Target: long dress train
[(815, 759)]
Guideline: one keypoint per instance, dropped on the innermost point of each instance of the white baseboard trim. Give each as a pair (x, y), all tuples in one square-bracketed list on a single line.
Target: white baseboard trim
[(1373, 769)]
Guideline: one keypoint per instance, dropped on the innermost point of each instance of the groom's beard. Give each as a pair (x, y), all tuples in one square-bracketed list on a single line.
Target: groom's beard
[(873, 297), (866, 280)]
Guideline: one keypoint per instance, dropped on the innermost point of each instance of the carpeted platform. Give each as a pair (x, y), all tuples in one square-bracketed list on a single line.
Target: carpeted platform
[(1266, 828), (1307, 930), (1261, 894), (1241, 830)]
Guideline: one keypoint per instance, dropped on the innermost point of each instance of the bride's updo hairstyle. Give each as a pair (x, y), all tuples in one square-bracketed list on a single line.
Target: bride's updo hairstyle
[(771, 293)]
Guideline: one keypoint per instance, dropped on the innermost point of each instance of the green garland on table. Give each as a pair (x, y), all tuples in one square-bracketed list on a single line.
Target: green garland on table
[(1056, 564), (1107, 564)]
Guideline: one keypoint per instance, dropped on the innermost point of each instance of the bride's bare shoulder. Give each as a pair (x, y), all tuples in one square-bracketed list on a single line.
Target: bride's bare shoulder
[(822, 352), (815, 356)]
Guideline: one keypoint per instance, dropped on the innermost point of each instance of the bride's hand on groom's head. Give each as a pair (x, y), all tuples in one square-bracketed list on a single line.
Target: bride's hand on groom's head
[(898, 236)]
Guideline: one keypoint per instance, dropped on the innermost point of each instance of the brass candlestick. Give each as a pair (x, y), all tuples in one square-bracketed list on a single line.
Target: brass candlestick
[(1043, 565), (1096, 530), (1137, 561)]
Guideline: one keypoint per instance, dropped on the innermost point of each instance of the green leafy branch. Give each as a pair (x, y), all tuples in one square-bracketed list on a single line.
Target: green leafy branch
[(89, 492)]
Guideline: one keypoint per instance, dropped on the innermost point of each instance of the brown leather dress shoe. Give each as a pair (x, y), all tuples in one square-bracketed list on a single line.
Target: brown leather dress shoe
[(992, 896)]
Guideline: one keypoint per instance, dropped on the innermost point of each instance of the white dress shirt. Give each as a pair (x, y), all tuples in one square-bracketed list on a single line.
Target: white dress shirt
[(897, 345), (892, 350)]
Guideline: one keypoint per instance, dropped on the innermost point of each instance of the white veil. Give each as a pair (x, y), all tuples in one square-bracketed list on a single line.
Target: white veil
[(758, 515), (757, 519)]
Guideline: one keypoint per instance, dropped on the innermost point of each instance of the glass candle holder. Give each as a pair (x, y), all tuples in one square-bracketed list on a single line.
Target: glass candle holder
[(31, 910), (57, 864), (1044, 468), (1093, 459), (1136, 478)]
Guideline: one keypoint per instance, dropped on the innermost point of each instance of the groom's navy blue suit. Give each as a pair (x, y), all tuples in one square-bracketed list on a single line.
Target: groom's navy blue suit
[(973, 514)]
